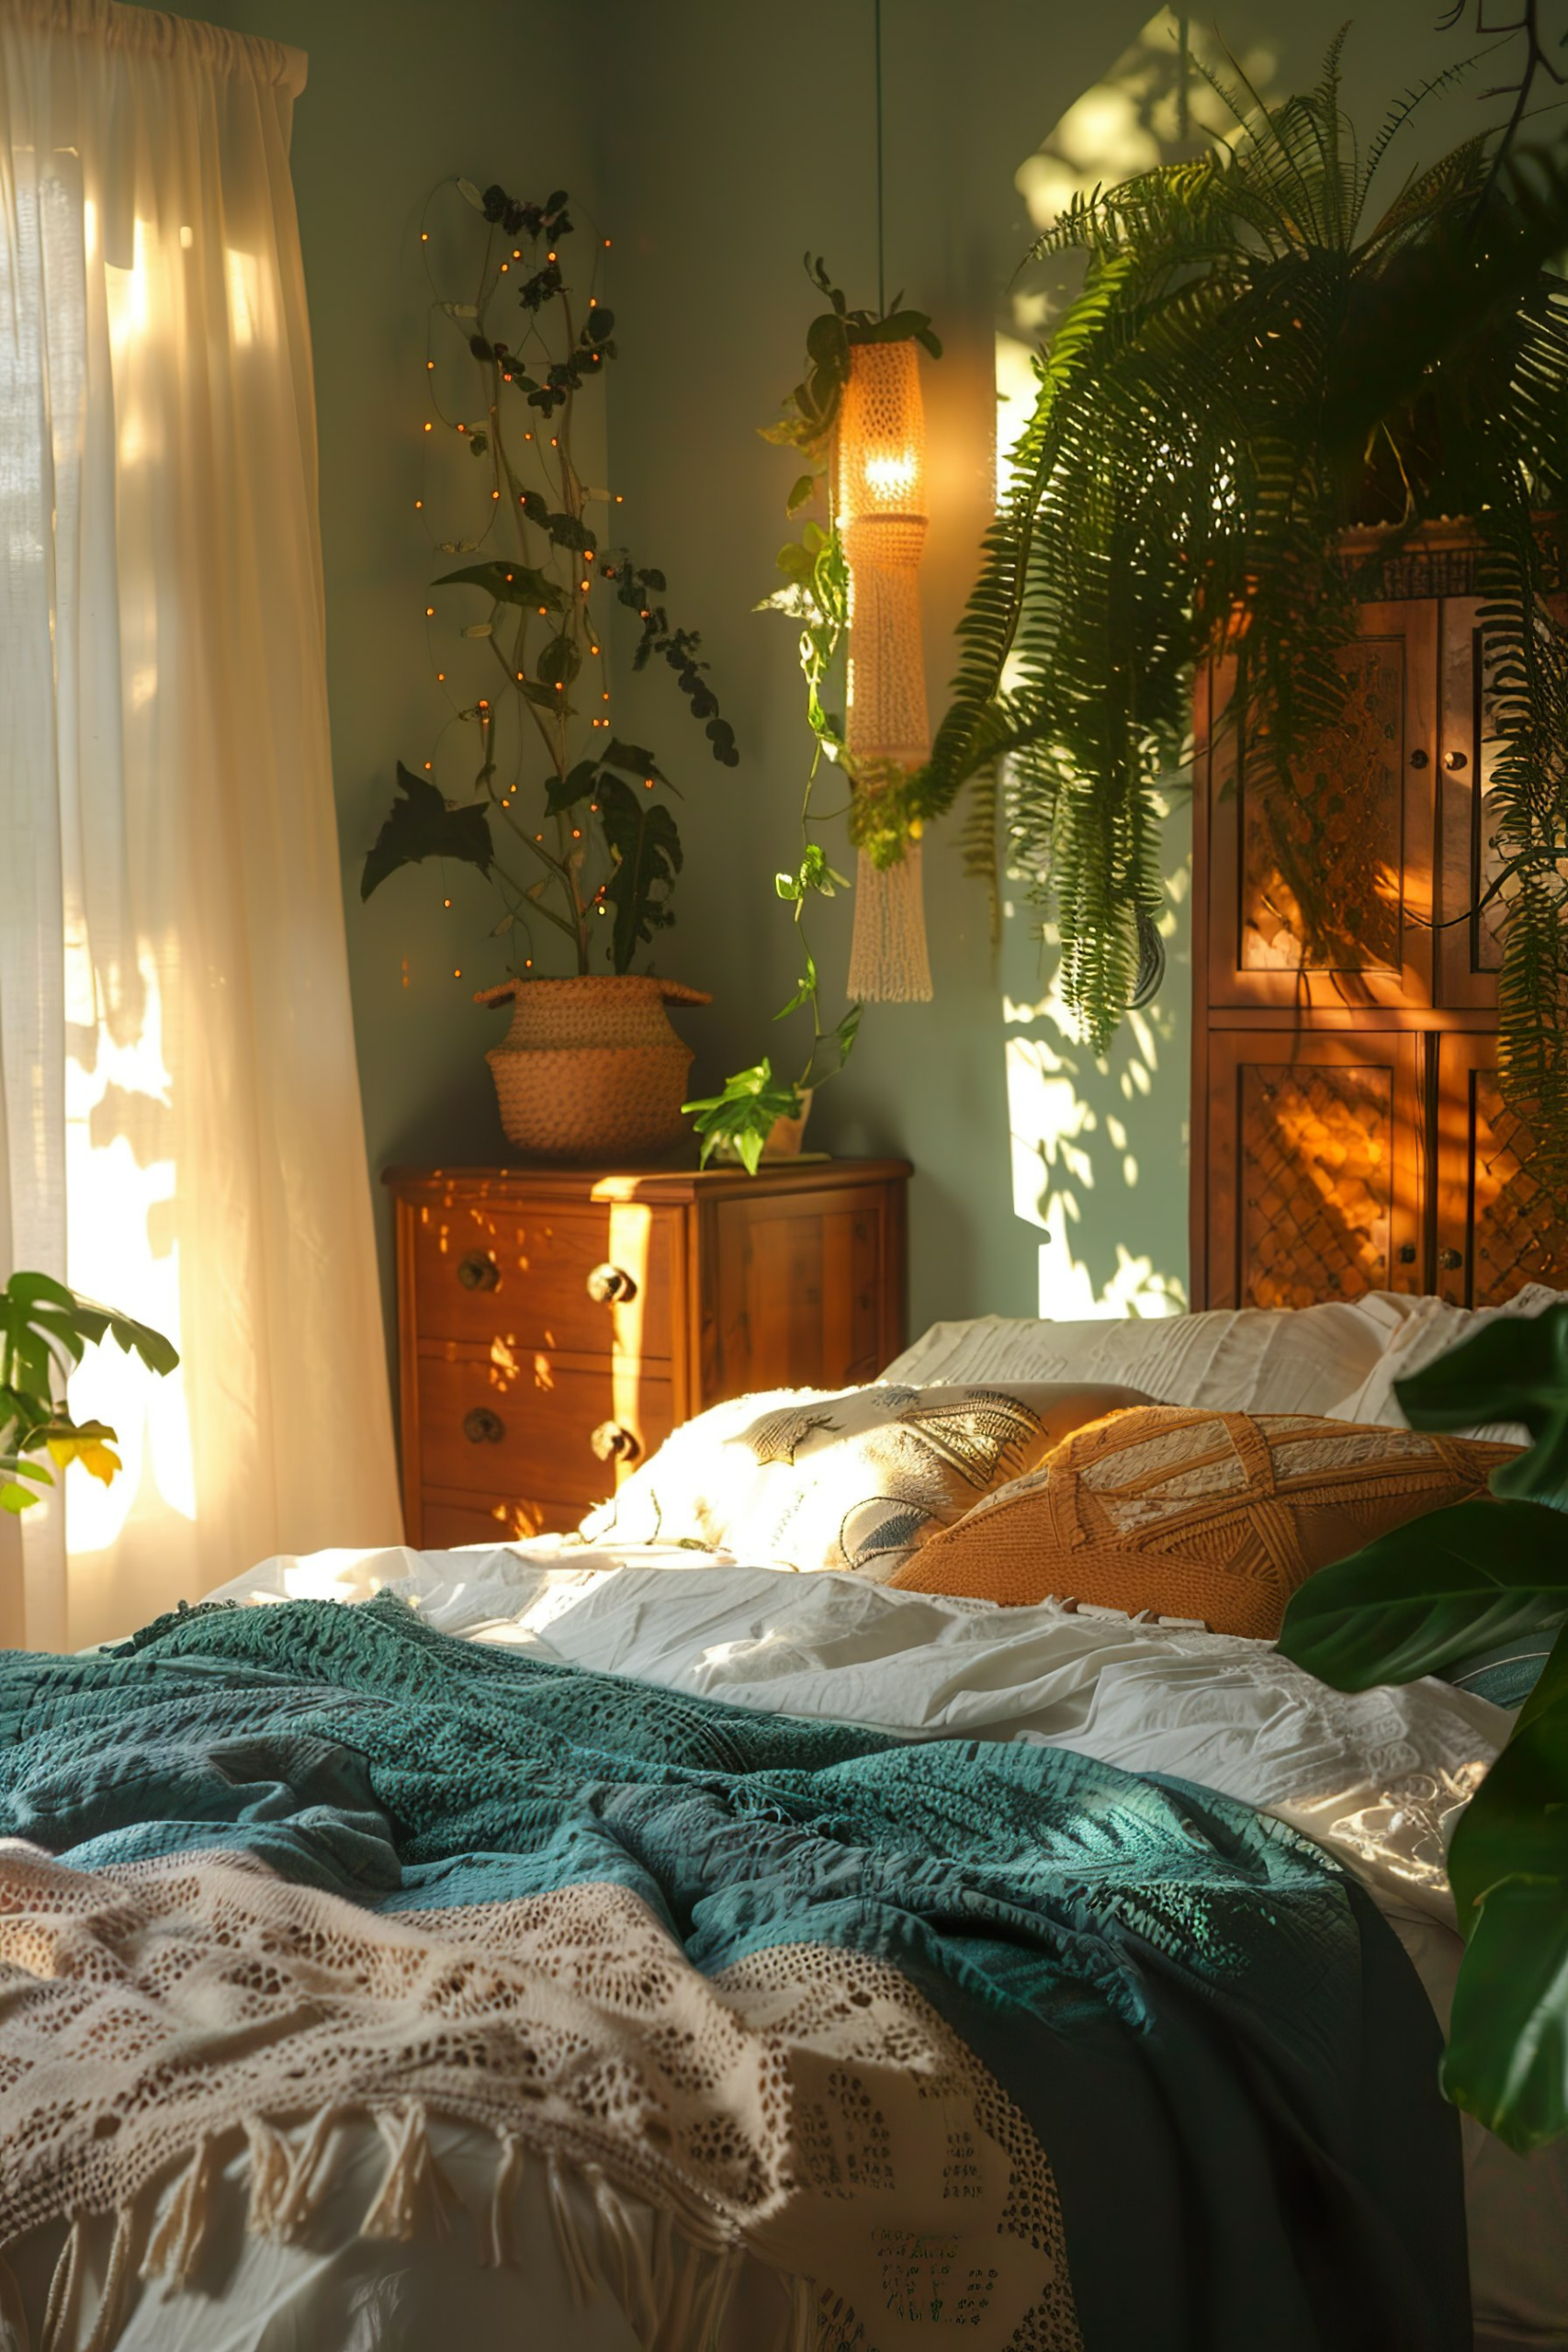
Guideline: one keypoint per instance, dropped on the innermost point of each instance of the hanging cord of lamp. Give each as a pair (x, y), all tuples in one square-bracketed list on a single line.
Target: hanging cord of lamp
[(878, 492)]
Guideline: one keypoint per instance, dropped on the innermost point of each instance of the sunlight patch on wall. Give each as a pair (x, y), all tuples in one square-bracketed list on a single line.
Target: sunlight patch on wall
[(1081, 1164), (1100, 1145), (122, 1246), (1148, 109)]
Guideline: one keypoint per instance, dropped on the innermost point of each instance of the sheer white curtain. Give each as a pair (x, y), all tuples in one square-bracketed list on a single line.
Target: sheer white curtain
[(179, 1110)]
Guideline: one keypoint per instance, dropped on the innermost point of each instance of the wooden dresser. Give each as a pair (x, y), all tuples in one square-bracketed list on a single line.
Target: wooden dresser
[(554, 1326)]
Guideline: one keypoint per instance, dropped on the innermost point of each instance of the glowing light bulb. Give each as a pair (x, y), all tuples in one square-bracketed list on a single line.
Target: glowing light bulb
[(890, 474)]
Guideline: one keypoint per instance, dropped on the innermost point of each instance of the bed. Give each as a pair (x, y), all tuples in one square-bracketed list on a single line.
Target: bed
[(672, 1949)]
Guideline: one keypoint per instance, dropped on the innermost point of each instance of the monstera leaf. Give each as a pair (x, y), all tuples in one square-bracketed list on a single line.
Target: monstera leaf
[(1416, 1600), (647, 850), (422, 823), (1518, 1367)]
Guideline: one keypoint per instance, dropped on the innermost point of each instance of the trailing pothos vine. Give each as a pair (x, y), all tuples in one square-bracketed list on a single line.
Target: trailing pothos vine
[(815, 593), (585, 848)]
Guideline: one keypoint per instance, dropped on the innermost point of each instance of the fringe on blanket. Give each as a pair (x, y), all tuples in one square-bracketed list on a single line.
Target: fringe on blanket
[(674, 2289)]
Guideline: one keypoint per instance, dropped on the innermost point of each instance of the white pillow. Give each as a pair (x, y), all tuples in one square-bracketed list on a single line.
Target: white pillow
[(855, 1480), (1426, 1337), (1301, 1359)]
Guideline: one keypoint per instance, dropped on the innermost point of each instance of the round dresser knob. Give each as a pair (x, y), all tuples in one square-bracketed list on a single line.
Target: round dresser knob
[(481, 1427), (610, 1286), (478, 1270), (611, 1442)]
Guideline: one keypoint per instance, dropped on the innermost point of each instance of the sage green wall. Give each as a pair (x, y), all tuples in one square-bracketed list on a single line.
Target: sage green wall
[(716, 140), (401, 95)]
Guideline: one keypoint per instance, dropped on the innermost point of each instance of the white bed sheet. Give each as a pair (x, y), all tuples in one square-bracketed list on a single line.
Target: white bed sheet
[(1378, 1779)]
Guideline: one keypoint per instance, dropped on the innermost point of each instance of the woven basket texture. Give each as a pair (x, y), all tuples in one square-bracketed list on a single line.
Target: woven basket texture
[(591, 1068)]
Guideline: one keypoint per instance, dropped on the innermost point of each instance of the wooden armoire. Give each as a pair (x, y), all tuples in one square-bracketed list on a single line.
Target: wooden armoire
[(1349, 1133)]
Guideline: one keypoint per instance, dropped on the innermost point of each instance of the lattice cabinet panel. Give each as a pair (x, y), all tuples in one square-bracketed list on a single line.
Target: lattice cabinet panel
[(1312, 1188), (1356, 830), (1496, 1228)]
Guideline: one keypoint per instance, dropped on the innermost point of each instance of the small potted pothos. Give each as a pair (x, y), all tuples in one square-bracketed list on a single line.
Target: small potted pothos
[(569, 821), (740, 1121), (45, 1331)]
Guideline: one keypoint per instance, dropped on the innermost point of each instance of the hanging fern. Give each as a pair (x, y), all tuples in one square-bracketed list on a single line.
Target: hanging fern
[(1254, 364)]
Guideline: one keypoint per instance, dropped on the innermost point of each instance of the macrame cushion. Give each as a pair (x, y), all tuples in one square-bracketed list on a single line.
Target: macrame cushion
[(806, 1478), (1213, 1517)]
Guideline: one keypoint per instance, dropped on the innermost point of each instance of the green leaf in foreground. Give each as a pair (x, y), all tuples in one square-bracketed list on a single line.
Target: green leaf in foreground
[(1507, 2058), (1429, 1593), (1513, 1370)]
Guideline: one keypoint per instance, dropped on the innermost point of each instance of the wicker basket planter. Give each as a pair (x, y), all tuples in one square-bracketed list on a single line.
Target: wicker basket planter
[(591, 1068)]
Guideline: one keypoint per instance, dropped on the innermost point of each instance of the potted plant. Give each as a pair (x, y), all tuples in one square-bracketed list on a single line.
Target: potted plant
[(1259, 359), (586, 856)]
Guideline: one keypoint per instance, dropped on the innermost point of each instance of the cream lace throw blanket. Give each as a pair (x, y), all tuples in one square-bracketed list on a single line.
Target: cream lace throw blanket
[(806, 2107)]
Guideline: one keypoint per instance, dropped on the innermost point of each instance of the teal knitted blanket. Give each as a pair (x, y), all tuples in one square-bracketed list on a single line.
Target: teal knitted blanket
[(1217, 2042)]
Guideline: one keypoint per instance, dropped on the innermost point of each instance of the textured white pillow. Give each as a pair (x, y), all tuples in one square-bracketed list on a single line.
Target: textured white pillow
[(1426, 1337), (855, 1480), (1301, 1359)]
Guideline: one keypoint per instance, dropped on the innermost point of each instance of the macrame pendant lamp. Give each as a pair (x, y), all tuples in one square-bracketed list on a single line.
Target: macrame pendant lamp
[(880, 476)]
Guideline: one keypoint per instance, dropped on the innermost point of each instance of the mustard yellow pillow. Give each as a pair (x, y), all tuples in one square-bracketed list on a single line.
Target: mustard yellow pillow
[(806, 1478), (1188, 1513)]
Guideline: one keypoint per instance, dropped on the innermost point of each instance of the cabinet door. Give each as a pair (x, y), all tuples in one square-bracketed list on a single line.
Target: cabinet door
[(1360, 826), (801, 1289), (1313, 1166), (1495, 1231)]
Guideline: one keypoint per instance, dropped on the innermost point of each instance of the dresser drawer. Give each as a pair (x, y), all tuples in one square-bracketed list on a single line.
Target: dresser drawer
[(518, 1428), (587, 1279), (449, 1520)]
